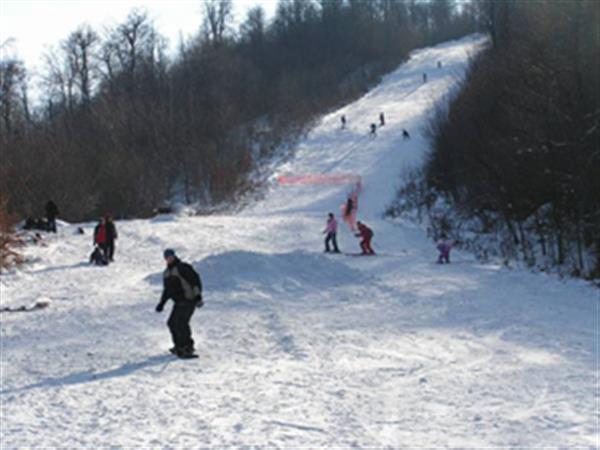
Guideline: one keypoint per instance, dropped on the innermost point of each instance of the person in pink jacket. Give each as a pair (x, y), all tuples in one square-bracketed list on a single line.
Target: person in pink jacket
[(331, 231)]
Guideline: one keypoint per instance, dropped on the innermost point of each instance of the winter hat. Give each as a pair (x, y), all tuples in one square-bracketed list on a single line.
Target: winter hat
[(168, 252)]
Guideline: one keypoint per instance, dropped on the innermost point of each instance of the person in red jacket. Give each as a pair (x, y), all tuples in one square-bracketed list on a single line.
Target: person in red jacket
[(101, 237), (366, 234)]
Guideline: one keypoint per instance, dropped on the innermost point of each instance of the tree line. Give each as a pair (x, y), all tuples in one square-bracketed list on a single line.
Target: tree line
[(517, 153), (121, 126)]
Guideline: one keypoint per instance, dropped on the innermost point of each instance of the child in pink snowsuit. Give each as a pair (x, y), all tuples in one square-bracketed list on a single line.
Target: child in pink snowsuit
[(444, 246)]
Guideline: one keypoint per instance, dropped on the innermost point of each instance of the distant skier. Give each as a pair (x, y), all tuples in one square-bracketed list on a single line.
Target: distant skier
[(343, 119), (349, 210), (405, 134), (366, 234), (424, 78), (111, 236), (373, 130), (381, 119), (51, 214), (331, 231), (100, 237), (439, 64), (444, 246), (182, 284)]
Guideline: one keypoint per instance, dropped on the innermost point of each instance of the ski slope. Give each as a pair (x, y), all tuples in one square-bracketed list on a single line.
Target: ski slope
[(299, 349)]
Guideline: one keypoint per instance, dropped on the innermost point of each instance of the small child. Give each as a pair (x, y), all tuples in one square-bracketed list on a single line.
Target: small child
[(98, 257), (444, 246)]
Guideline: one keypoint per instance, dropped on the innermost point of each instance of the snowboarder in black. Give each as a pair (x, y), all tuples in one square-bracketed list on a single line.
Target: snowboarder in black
[(381, 119), (182, 284), (51, 214), (373, 129), (111, 236)]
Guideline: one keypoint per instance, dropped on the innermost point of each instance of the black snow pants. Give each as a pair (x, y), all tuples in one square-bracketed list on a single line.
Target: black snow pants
[(179, 324), (331, 237)]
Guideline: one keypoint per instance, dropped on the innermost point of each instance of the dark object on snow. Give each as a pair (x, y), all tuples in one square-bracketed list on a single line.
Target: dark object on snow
[(98, 257), (165, 209), (405, 134), (381, 120), (40, 304), (182, 284), (424, 78), (80, 230), (35, 224), (51, 214), (366, 234), (111, 236), (439, 64), (444, 246), (343, 119), (373, 129)]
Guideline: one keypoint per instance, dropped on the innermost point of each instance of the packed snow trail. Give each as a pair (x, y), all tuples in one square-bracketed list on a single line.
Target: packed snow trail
[(298, 348)]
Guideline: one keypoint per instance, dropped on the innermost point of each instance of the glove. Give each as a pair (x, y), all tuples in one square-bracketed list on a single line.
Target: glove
[(159, 307)]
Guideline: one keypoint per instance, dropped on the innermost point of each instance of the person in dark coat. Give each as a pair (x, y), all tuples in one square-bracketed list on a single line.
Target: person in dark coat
[(373, 129), (111, 236), (343, 119), (51, 214), (182, 284), (366, 234), (381, 119)]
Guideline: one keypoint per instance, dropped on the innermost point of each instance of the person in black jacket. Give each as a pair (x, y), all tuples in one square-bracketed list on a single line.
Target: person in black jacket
[(111, 236), (182, 284), (51, 214)]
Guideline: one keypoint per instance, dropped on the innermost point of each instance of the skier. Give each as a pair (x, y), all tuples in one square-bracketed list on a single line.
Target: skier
[(331, 230), (343, 119), (405, 134), (366, 234), (424, 78), (182, 284), (381, 119), (51, 213), (373, 130), (349, 210), (444, 246), (111, 236), (100, 237), (439, 64)]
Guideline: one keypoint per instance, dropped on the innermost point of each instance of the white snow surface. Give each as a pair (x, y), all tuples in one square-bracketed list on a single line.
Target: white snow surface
[(298, 349)]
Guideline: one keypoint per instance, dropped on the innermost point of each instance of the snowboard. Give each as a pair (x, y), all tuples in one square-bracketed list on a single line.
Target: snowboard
[(191, 356)]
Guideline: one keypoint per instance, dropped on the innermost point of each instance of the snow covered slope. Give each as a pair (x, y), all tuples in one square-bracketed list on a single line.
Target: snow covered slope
[(298, 348)]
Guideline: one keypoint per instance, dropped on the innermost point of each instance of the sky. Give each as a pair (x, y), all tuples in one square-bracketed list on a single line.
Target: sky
[(36, 25)]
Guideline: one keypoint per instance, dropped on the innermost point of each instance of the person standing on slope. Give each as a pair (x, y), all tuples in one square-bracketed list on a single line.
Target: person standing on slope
[(331, 231), (444, 246), (111, 236), (343, 119), (182, 284), (366, 234), (51, 214), (101, 238), (381, 119)]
